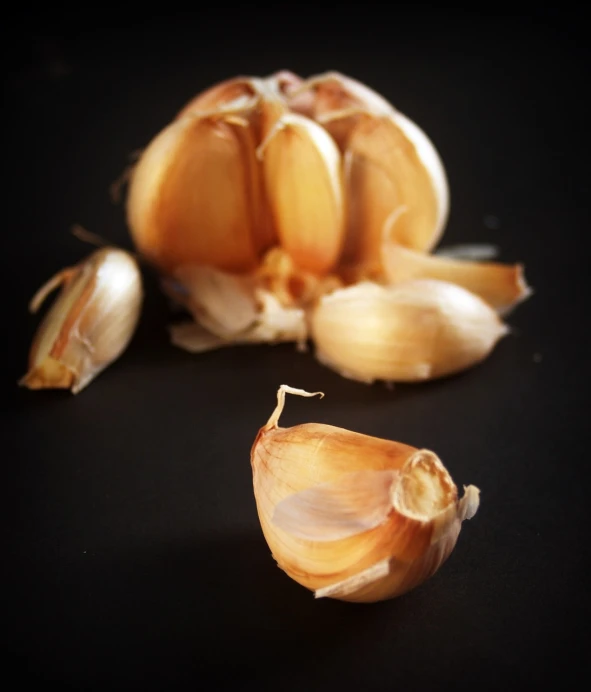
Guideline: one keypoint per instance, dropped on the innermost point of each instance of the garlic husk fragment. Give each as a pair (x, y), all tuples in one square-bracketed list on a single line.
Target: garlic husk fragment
[(414, 331), (90, 323), (230, 309), (350, 516), (303, 181), (196, 195), (503, 286)]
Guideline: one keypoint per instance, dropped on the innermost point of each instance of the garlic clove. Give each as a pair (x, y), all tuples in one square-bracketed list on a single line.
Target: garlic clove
[(417, 330), (195, 196), (502, 286), (392, 194), (89, 325), (351, 516), (302, 171)]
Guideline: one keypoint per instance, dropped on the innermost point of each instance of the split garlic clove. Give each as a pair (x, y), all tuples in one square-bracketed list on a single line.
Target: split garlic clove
[(503, 286), (89, 325), (415, 331), (350, 516), (391, 193), (303, 179), (196, 196)]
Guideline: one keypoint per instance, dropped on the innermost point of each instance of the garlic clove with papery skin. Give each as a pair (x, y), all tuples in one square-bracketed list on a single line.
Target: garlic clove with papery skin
[(196, 196), (90, 323), (303, 180), (391, 194), (350, 516), (409, 332), (503, 286)]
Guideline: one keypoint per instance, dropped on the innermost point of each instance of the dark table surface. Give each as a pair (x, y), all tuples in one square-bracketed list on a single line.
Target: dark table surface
[(131, 545)]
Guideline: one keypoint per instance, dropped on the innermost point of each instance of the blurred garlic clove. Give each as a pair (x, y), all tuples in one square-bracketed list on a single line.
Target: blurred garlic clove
[(502, 286), (418, 330), (303, 180), (90, 323), (351, 516), (196, 196), (392, 193)]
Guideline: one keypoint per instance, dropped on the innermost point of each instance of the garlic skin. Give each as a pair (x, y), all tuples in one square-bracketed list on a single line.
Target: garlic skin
[(413, 331), (350, 516), (90, 323)]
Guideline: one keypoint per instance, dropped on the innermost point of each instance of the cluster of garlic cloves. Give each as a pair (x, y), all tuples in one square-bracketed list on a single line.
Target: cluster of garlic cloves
[(273, 205), (350, 516)]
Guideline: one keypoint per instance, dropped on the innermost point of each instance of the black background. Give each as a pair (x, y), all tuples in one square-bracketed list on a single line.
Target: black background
[(131, 544)]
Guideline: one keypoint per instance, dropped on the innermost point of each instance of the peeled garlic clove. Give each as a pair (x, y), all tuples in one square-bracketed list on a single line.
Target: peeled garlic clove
[(89, 325), (302, 169), (418, 330), (351, 516), (502, 286), (195, 196), (393, 193)]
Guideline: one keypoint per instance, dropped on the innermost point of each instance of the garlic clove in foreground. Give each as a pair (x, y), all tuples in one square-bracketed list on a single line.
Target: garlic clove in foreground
[(413, 331), (196, 196), (351, 516), (90, 323), (503, 286), (303, 180)]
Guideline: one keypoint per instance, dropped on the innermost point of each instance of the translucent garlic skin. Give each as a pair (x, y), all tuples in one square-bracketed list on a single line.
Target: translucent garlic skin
[(334, 538)]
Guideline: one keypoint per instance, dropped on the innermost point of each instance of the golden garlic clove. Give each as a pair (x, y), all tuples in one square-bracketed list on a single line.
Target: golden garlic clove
[(196, 196), (351, 516), (418, 330), (89, 325), (302, 169), (392, 194), (503, 286)]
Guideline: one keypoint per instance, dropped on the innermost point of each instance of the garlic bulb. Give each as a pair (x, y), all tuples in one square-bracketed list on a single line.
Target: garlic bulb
[(89, 325), (350, 516), (265, 195), (252, 163), (413, 331)]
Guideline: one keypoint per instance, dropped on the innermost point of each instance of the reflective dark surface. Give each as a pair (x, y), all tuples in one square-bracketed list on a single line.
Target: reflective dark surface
[(132, 548)]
